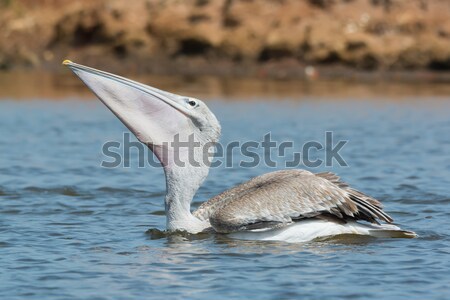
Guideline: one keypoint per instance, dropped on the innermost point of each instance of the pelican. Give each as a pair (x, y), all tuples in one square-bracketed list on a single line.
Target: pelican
[(287, 205)]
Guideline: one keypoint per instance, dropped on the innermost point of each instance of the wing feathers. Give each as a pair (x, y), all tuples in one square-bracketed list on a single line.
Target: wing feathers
[(278, 198)]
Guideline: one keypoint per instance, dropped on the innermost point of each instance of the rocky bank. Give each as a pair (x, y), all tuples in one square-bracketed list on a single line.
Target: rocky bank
[(276, 38)]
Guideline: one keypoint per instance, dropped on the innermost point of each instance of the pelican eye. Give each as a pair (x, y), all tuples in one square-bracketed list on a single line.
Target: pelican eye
[(191, 102)]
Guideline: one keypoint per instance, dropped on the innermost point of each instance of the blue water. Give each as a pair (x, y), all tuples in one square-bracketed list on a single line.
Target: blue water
[(70, 229)]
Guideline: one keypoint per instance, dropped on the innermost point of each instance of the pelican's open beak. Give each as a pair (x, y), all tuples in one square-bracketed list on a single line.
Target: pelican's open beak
[(154, 116)]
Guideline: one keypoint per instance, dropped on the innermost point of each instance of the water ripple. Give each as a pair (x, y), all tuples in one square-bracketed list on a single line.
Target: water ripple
[(70, 229)]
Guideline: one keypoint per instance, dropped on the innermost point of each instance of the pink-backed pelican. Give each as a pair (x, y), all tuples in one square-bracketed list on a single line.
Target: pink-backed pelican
[(287, 205)]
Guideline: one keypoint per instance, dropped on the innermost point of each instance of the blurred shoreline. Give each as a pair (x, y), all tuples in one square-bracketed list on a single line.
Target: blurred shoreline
[(358, 40), (34, 85)]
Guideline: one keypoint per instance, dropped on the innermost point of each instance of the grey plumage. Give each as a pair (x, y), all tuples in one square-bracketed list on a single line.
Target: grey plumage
[(279, 198)]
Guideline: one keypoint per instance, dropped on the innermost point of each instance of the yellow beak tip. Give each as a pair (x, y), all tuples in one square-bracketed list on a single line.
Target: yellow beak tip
[(66, 62)]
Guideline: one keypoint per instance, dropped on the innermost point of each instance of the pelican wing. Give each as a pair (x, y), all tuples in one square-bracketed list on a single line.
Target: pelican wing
[(279, 198)]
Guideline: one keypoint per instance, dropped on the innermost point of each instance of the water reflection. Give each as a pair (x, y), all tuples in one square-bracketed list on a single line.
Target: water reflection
[(29, 85), (186, 242)]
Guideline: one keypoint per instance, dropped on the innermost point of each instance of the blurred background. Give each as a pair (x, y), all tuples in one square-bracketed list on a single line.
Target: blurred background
[(376, 73), (362, 40), (223, 37)]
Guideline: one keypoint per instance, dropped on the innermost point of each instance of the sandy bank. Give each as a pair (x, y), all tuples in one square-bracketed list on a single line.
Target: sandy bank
[(393, 39)]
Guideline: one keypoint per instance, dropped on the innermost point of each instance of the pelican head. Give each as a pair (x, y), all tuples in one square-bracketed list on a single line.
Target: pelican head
[(160, 120)]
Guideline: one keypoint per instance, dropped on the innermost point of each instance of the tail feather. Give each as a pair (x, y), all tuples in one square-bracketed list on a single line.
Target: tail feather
[(393, 233), (382, 230)]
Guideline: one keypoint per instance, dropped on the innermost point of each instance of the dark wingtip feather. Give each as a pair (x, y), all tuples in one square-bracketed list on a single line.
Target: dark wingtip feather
[(369, 209)]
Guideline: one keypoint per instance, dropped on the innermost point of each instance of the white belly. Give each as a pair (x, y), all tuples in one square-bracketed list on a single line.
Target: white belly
[(308, 230)]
